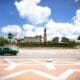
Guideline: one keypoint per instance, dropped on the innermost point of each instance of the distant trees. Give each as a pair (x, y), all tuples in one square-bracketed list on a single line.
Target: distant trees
[(3, 41), (55, 40), (10, 36), (78, 38), (65, 40), (7, 40)]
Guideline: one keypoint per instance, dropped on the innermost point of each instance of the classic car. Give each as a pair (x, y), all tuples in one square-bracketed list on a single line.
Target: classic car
[(8, 51)]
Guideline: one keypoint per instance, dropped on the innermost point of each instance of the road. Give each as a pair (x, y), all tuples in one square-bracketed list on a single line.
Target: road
[(33, 53)]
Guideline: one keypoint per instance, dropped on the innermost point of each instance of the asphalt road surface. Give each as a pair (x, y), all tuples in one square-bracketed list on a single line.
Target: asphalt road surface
[(46, 54)]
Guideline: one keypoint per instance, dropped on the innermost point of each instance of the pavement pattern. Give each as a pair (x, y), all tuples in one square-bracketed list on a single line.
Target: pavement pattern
[(39, 69)]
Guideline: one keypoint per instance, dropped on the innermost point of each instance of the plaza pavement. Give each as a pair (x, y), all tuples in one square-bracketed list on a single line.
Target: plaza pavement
[(39, 70)]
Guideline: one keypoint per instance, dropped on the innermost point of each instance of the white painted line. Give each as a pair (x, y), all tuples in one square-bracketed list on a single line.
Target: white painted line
[(11, 65), (67, 74), (45, 63), (27, 71), (50, 66)]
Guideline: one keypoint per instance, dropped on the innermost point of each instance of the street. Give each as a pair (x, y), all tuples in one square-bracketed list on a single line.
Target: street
[(45, 53)]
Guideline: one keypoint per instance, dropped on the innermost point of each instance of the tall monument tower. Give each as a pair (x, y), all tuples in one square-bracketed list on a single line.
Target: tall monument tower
[(45, 35)]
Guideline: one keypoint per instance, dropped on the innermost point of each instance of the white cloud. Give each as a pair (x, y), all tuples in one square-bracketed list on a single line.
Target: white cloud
[(62, 29), (39, 31), (76, 0), (11, 28), (15, 29), (29, 33), (29, 9), (28, 27), (30, 30), (76, 18)]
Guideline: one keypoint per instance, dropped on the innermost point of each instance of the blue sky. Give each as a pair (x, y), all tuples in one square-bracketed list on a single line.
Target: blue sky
[(62, 10), (43, 13), (9, 13)]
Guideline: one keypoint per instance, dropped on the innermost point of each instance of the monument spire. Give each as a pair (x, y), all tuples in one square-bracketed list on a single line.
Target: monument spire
[(45, 35)]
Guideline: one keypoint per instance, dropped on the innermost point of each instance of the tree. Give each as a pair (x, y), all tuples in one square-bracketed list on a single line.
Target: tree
[(78, 38), (3, 41), (65, 40), (10, 36), (55, 40)]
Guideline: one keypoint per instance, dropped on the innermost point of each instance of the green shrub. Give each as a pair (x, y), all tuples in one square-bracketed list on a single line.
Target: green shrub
[(47, 44)]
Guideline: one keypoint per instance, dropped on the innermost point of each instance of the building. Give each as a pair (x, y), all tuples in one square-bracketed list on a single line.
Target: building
[(36, 38), (33, 39)]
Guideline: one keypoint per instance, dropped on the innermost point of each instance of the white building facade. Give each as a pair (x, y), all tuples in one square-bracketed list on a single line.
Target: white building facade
[(32, 39)]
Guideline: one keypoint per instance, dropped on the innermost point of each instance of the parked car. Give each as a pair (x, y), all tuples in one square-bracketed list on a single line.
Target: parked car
[(8, 51)]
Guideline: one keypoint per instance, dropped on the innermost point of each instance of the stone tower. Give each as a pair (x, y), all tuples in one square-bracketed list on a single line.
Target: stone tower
[(45, 35)]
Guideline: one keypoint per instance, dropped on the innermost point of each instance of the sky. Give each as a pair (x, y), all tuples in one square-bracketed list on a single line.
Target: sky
[(61, 18)]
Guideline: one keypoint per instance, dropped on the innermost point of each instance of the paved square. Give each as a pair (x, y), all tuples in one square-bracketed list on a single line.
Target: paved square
[(39, 70)]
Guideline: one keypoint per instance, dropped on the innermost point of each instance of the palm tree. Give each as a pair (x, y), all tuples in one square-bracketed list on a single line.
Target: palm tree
[(10, 36)]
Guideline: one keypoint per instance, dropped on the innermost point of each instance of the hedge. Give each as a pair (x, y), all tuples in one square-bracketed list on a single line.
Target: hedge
[(46, 44)]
